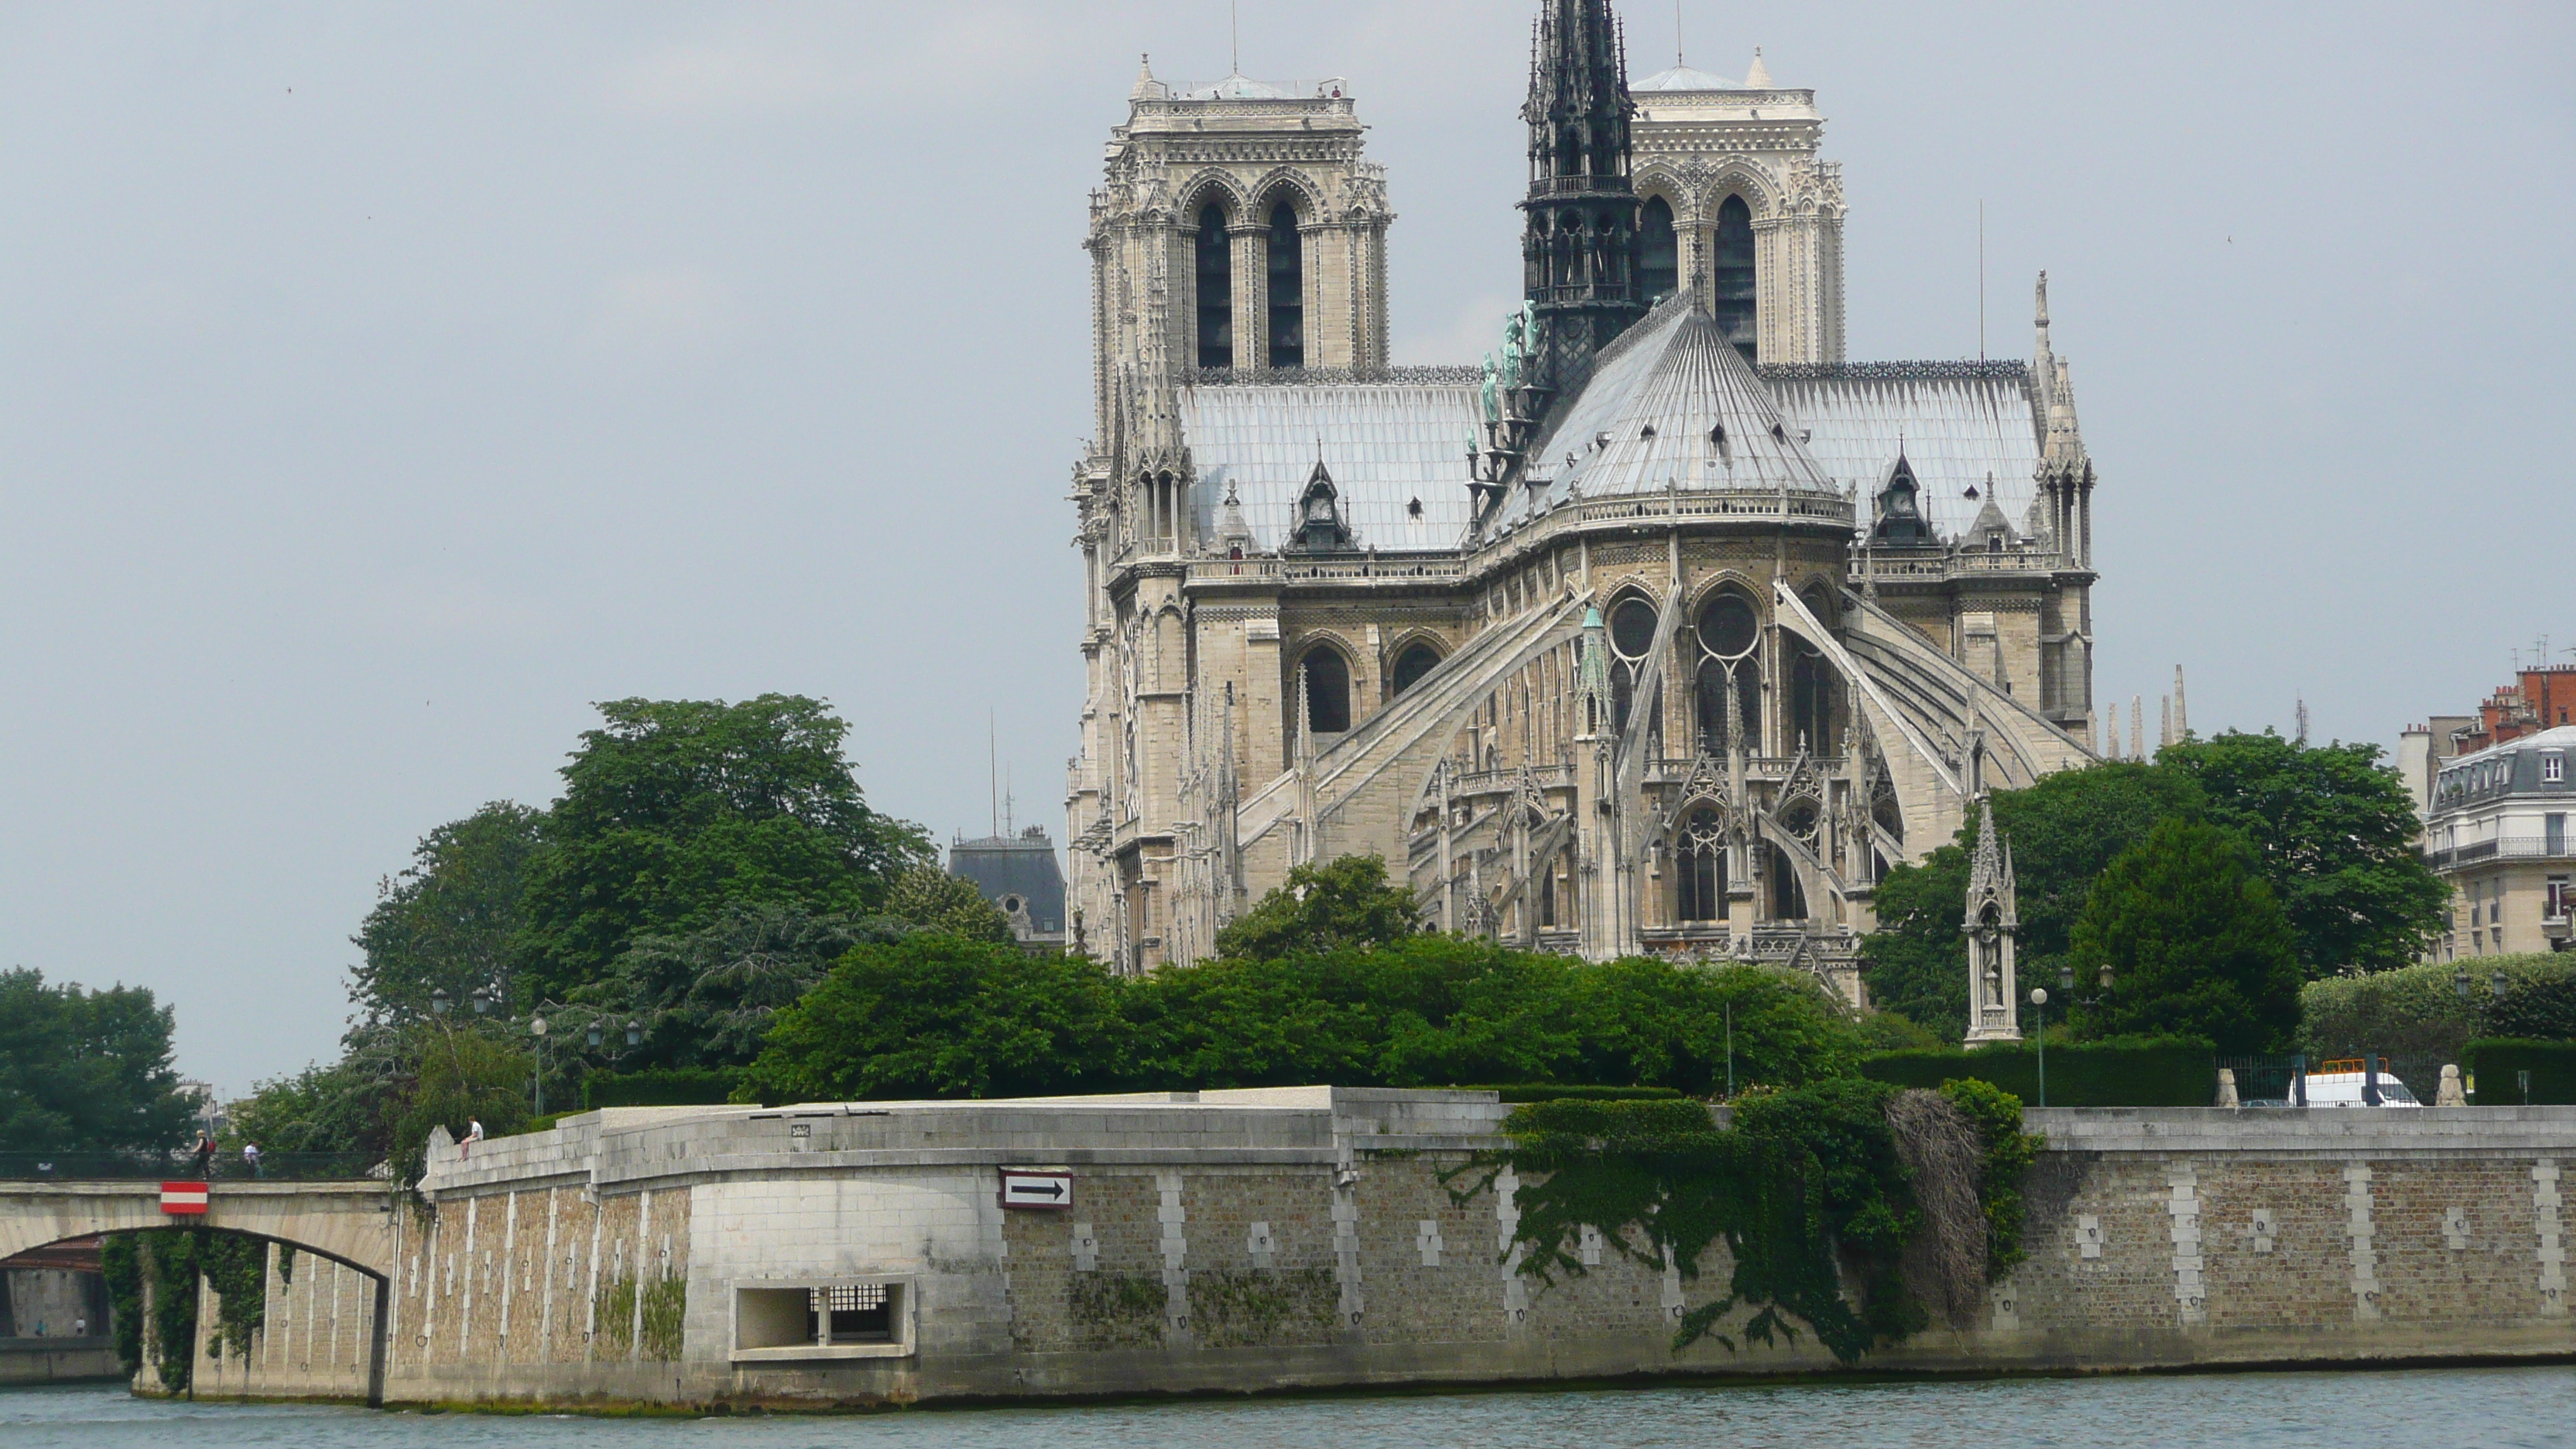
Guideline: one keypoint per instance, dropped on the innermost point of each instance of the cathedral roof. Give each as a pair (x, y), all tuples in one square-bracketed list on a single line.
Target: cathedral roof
[(1683, 78), (1958, 425), (1670, 403), (1397, 452)]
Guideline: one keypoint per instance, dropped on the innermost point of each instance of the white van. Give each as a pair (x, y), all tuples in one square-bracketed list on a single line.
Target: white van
[(2338, 1084)]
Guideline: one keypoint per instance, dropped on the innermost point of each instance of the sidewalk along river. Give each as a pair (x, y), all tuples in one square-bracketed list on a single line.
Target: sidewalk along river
[(2492, 1408)]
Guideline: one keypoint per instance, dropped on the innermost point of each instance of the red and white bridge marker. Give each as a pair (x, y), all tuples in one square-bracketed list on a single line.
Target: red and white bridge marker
[(180, 1199)]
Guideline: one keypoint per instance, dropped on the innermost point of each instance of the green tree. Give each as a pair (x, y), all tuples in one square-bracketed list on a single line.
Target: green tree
[(461, 1074), (337, 1108), (447, 922), (2336, 833), (2065, 830), (931, 898), (2196, 940), (938, 1015), (674, 810), (86, 1071), (707, 998), (1323, 907)]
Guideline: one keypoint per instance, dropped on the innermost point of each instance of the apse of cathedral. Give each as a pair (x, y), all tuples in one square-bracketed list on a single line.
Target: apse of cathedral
[(1661, 628)]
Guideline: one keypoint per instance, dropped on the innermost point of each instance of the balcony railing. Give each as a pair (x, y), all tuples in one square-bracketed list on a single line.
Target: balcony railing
[(2511, 847)]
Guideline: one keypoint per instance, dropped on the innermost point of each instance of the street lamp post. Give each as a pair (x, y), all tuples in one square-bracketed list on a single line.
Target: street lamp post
[(537, 1029), (2495, 996), (2039, 999)]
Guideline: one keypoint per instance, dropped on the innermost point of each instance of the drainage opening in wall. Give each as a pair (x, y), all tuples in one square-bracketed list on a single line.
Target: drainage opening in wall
[(786, 1321)]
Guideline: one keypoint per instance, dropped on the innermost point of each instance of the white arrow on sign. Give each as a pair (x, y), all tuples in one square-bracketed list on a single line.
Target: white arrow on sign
[(1037, 1187)]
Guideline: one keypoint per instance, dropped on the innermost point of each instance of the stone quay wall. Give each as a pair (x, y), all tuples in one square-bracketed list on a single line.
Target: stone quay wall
[(1317, 1237)]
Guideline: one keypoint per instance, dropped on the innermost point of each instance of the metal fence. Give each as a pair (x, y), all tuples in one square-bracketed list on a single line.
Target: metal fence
[(183, 1167), (2266, 1081)]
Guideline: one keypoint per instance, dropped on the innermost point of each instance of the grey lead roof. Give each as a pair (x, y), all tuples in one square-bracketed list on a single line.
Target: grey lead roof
[(1387, 445), (1957, 431), (1649, 416)]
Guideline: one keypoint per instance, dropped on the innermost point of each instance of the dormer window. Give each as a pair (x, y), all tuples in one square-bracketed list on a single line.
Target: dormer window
[(2553, 767)]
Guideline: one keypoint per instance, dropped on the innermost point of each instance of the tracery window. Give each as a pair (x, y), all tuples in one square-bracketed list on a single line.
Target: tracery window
[(1728, 632), (1731, 276), (1632, 637), (1328, 690), (1287, 290), (1659, 268), (1215, 269), (1700, 853)]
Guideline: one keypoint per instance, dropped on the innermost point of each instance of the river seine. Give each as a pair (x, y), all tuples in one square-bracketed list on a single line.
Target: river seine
[(2424, 1408)]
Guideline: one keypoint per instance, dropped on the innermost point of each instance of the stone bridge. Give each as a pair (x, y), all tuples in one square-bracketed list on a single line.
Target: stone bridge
[(352, 1223)]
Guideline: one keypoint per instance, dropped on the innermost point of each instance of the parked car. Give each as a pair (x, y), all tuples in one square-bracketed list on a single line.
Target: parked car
[(2341, 1084)]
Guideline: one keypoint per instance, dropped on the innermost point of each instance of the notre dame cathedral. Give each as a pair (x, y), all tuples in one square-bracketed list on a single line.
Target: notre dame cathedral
[(1665, 628)]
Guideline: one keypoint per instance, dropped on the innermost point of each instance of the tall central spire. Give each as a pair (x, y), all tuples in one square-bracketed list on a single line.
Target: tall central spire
[(1579, 245)]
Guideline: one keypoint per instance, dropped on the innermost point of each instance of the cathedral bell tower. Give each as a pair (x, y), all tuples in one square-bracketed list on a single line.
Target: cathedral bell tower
[(1579, 240)]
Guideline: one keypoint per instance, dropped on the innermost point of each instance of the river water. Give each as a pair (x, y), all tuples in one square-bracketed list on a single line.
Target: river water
[(2420, 1409)]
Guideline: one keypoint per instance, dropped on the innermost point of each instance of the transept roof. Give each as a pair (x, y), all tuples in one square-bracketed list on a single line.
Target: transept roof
[(1397, 452), (1672, 403), (1958, 424)]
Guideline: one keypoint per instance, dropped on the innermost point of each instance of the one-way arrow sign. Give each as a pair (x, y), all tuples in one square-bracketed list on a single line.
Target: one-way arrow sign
[(1037, 1187)]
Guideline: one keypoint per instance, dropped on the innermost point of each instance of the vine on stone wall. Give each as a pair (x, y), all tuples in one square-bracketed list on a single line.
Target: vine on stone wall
[(237, 1269), (666, 1305), (1252, 1306), (1809, 1190), (1118, 1310), (171, 1260), (614, 1306), (120, 1261)]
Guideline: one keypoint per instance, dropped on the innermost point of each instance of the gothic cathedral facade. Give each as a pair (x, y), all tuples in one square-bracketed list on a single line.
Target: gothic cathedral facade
[(1664, 629)]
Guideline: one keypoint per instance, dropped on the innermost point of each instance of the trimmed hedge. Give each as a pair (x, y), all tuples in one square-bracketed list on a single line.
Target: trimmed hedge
[(2493, 1062), (2419, 1010), (1544, 1092), (2153, 1072), (660, 1087)]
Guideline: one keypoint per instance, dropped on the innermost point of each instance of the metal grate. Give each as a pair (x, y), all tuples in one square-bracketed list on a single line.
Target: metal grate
[(850, 1298)]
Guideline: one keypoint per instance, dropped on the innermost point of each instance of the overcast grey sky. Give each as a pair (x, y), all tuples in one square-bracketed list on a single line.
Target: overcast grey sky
[(380, 385)]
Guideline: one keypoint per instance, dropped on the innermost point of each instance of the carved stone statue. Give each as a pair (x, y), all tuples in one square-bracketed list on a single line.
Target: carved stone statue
[(1493, 407)]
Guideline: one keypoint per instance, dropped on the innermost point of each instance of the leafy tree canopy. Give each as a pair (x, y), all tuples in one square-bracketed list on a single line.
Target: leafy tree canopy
[(2065, 830), (706, 998), (936, 1015), (86, 1071), (1323, 907), (448, 921), (932, 899), (674, 810), (2196, 941), (2335, 831)]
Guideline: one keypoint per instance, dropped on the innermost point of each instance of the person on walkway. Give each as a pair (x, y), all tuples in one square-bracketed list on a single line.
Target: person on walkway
[(250, 1158), (473, 1134), (205, 1159)]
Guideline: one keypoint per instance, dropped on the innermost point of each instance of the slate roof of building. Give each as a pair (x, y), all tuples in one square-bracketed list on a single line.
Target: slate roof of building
[(1014, 865), (1388, 445), (1961, 426), (1649, 418)]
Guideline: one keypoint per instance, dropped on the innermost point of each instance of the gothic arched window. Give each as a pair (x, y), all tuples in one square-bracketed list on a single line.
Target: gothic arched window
[(1731, 279), (1700, 853), (1815, 717), (1216, 289), (1415, 662), (1659, 265), (1788, 898), (1632, 637), (1287, 289), (1728, 631), (1328, 691)]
